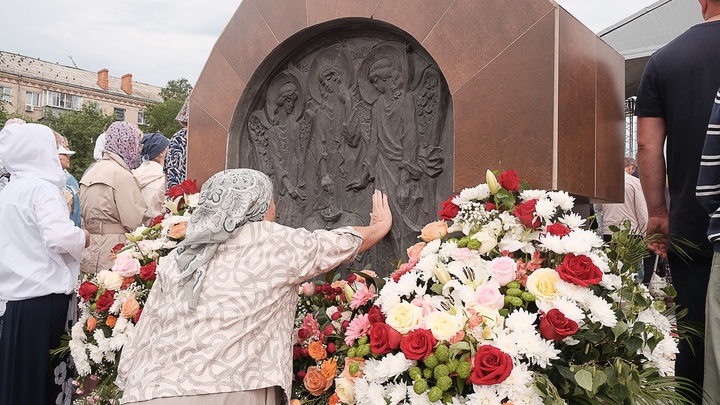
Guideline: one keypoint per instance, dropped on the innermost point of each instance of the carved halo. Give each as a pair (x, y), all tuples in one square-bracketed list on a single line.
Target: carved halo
[(329, 57), (367, 90), (274, 90)]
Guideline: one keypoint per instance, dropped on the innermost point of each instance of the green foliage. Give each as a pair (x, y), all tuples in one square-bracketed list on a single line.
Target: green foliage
[(160, 117), (81, 128)]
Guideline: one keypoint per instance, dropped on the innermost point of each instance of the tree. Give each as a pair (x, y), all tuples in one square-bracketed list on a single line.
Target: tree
[(160, 117), (81, 128)]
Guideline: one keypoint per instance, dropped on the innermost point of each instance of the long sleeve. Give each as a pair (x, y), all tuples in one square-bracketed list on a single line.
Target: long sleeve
[(708, 184), (59, 233)]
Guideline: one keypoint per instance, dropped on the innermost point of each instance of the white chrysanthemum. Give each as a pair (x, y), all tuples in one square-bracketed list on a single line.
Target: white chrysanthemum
[(569, 308), (538, 350), (426, 265), (518, 380), (396, 393), (484, 395), (600, 259), (447, 249), (171, 220), (552, 243), (601, 311), (528, 195), (507, 342), (369, 393), (391, 365), (96, 354), (652, 316), (431, 248), (120, 298), (520, 320), (389, 296), (663, 356), (573, 292), (407, 285), (545, 208), (562, 199), (479, 192), (611, 281), (526, 396), (576, 242), (169, 244), (572, 220)]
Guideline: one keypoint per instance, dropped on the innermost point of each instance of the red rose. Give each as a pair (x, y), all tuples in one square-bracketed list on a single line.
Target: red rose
[(375, 315), (490, 206), (189, 186), (303, 333), (175, 191), (526, 213), (158, 219), (383, 338), (579, 270), (117, 248), (490, 366), (448, 210), (558, 229), (555, 326), (509, 180), (87, 290), (137, 316), (418, 344), (105, 300), (147, 272)]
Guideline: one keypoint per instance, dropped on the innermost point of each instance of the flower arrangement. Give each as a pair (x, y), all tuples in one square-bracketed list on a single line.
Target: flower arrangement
[(507, 300), (111, 302)]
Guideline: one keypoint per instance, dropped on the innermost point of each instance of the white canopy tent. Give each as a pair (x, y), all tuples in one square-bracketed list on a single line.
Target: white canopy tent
[(639, 35)]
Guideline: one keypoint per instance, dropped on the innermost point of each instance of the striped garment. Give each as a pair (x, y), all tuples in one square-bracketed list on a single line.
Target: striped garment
[(708, 184)]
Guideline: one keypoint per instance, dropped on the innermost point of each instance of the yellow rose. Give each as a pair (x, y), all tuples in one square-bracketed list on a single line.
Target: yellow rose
[(543, 283), (110, 280), (434, 230), (443, 325), (345, 389), (404, 317)]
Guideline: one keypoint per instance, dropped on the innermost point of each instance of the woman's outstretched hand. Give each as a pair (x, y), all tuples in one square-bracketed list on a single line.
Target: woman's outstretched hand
[(380, 222)]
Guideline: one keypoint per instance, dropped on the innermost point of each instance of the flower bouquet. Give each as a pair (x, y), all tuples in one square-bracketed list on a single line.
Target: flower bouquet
[(508, 300), (111, 302)]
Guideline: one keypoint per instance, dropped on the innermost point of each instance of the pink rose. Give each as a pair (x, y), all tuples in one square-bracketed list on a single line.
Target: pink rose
[(504, 270), (308, 289), (462, 254), (126, 266), (488, 295), (414, 250)]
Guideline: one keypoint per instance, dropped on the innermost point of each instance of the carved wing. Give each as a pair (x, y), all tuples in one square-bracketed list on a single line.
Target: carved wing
[(430, 113), (258, 126)]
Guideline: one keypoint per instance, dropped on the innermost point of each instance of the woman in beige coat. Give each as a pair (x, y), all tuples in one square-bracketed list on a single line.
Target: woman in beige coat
[(150, 174), (110, 197)]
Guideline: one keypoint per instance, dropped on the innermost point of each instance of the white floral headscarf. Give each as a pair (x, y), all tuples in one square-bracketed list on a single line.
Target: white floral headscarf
[(228, 200)]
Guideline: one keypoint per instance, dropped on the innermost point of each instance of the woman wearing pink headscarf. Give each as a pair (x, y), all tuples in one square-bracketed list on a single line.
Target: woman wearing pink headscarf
[(110, 197)]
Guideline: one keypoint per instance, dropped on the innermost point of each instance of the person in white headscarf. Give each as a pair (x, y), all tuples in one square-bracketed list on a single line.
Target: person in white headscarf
[(4, 174), (99, 147), (217, 325), (150, 173), (40, 256)]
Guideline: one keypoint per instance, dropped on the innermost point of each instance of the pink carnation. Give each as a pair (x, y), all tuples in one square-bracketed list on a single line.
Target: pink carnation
[(361, 297), (312, 325), (358, 327)]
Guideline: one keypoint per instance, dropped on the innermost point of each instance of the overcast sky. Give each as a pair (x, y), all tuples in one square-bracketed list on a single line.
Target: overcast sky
[(161, 40)]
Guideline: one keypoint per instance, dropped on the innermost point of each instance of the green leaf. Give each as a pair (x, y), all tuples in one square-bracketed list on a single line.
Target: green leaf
[(437, 289), (619, 329), (621, 392), (584, 379), (599, 379), (633, 344)]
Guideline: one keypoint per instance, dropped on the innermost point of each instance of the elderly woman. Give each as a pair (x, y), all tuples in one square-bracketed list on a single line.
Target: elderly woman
[(217, 325), (110, 200), (150, 173), (40, 253)]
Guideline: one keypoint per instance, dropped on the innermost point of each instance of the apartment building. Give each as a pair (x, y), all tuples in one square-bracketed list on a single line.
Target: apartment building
[(36, 88)]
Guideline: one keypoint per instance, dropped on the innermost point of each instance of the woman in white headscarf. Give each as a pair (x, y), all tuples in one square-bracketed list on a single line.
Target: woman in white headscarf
[(218, 322), (40, 255), (150, 173)]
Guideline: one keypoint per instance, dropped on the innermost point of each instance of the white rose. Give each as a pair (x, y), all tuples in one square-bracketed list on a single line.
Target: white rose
[(543, 283), (443, 325), (345, 390), (110, 280), (404, 317), (487, 240)]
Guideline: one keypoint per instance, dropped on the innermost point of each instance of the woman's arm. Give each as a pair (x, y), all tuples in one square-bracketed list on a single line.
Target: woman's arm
[(380, 222)]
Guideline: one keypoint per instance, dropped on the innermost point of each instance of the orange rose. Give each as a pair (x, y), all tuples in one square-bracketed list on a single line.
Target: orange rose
[(91, 324), (127, 282), (177, 231), (110, 321), (315, 381), (334, 399), (350, 361), (434, 230), (130, 308), (317, 351), (414, 250), (329, 368)]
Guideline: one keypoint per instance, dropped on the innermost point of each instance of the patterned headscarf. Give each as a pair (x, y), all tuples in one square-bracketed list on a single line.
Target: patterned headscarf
[(228, 200), (183, 116), (121, 138)]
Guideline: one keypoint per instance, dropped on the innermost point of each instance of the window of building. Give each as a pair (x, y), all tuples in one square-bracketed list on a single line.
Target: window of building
[(119, 114), (32, 100), (141, 118), (6, 94), (63, 100)]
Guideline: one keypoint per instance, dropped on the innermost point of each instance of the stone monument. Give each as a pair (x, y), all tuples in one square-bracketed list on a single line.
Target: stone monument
[(417, 98)]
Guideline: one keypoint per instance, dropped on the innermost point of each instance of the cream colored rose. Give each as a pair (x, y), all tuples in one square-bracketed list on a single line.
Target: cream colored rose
[(488, 241), (434, 230), (404, 317), (345, 389), (443, 325), (543, 283), (110, 280)]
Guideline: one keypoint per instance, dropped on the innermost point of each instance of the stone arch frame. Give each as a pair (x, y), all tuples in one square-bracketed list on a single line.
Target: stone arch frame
[(532, 88)]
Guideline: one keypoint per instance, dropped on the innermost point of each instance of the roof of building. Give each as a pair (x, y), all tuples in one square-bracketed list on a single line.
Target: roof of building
[(71, 76)]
